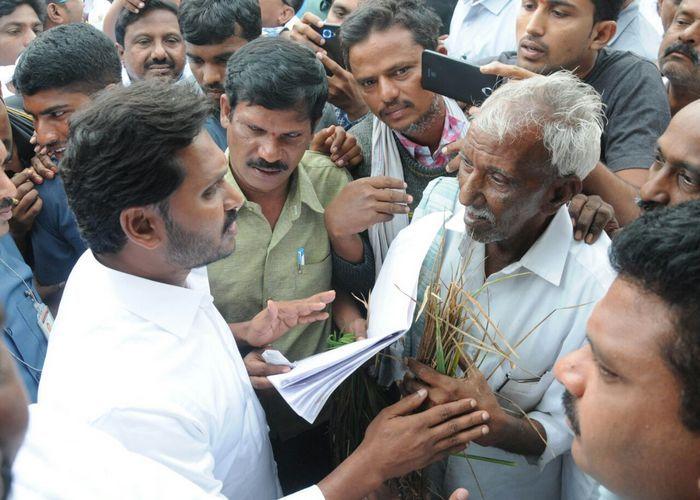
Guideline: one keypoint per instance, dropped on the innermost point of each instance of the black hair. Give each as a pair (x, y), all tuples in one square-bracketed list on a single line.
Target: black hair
[(127, 18), (208, 22), (606, 10), (7, 7), (294, 4), (381, 15), (660, 253), (277, 74), (77, 56), (122, 151)]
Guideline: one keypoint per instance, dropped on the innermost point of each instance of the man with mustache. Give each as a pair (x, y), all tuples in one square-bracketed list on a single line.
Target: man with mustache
[(140, 352), (678, 55), (633, 393), (275, 93), (150, 44), (507, 229)]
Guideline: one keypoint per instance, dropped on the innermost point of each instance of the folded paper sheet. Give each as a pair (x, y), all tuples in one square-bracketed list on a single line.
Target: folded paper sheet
[(307, 387)]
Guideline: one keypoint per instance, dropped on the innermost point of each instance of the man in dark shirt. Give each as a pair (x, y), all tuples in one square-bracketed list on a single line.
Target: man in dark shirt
[(572, 35)]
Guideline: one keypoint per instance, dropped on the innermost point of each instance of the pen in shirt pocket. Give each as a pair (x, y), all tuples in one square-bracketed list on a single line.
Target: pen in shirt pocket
[(301, 260)]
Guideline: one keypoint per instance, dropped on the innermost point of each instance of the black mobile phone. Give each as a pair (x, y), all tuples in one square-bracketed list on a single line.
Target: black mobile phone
[(329, 32), (456, 79)]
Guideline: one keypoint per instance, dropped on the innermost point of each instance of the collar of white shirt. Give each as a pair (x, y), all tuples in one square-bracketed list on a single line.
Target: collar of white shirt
[(173, 308), (546, 257)]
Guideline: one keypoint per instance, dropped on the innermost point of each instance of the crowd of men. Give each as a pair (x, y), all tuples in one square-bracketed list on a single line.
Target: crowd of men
[(187, 184)]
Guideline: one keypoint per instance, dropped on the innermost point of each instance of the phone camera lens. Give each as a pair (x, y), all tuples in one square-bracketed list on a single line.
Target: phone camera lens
[(327, 33)]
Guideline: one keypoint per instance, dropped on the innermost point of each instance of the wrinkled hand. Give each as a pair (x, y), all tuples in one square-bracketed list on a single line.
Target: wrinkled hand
[(442, 389), (134, 5), (281, 316), (365, 202), (29, 206), (303, 32), (399, 441), (357, 326), (335, 142), (508, 71), (258, 370), (452, 149), (591, 216), (43, 167), (343, 90)]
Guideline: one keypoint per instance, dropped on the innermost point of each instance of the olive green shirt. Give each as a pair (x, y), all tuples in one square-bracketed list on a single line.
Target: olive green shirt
[(264, 265)]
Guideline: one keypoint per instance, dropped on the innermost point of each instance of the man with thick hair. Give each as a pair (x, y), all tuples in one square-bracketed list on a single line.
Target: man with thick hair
[(20, 22), (275, 93), (635, 390), (403, 136), (60, 12), (214, 30), (58, 74), (679, 55), (553, 36), (510, 234), (150, 43), (165, 376)]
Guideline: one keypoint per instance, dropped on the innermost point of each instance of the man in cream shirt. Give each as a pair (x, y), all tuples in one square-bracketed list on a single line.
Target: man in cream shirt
[(139, 351)]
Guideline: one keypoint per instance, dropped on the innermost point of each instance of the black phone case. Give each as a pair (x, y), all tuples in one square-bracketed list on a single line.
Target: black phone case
[(455, 79)]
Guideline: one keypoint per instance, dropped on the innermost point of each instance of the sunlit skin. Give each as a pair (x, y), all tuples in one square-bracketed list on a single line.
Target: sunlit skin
[(627, 400), (51, 110), (560, 34), (17, 30), (675, 175), (387, 67), (340, 10), (153, 47), (208, 65), (254, 132), (7, 188)]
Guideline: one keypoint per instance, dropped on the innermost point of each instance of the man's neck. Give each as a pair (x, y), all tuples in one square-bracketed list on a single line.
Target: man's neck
[(271, 202), (500, 254), (680, 96), (586, 65), (431, 134)]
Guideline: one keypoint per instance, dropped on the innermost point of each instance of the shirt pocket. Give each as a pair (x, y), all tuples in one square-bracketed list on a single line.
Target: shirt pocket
[(522, 391), (313, 277)]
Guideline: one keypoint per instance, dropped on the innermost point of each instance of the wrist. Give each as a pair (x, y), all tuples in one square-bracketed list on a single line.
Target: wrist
[(240, 332), (356, 477)]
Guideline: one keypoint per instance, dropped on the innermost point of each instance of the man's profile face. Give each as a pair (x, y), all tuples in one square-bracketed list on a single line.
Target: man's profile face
[(153, 47), (387, 67), (265, 146), (624, 400), (340, 10), (7, 188), (274, 13), (17, 30), (502, 186), (553, 35), (208, 65), (201, 217), (72, 11), (51, 110), (679, 57), (675, 175)]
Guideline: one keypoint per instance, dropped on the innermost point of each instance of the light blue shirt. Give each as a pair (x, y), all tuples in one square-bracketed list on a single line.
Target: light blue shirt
[(636, 34), (482, 29)]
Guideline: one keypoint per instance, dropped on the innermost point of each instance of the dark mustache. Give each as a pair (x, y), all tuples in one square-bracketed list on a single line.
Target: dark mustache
[(647, 206), (213, 88), (568, 400), (265, 165), (394, 104), (685, 49), (535, 41), (159, 62), (231, 217), (5, 203)]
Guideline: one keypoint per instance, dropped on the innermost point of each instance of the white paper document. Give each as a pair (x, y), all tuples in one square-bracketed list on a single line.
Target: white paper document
[(310, 383)]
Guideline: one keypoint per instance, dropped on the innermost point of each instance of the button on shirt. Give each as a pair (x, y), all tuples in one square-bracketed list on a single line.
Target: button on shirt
[(560, 273), (482, 29), (22, 335), (636, 34), (156, 367)]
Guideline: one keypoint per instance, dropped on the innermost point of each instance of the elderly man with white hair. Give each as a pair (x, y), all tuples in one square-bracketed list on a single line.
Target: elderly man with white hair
[(506, 236)]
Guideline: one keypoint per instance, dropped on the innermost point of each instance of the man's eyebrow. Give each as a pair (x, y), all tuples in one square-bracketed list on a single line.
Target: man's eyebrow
[(560, 3), (597, 354), (53, 109)]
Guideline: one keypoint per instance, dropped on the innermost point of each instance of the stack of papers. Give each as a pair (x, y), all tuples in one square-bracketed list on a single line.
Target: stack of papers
[(312, 380)]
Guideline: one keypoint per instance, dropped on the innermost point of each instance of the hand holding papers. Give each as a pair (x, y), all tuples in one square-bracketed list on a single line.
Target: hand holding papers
[(310, 383)]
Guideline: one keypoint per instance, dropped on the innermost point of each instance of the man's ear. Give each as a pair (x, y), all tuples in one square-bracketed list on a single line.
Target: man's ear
[(602, 33), (561, 192), (54, 13), (285, 15), (120, 49), (143, 226), (225, 113)]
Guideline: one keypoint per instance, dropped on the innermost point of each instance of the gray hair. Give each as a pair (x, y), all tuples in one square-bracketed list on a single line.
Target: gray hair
[(567, 112)]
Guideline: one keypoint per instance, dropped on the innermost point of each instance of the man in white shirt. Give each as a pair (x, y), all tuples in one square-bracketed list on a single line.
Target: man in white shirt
[(139, 351), (518, 170)]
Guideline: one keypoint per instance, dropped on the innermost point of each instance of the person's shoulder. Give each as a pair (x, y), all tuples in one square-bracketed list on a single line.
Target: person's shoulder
[(439, 195), (327, 178), (619, 63), (362, 130), (592, 261)]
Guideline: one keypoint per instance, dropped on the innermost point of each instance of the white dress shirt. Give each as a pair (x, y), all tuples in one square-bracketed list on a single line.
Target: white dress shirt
[(482, 29), (156, 367), (563, 276), (636, 34)]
